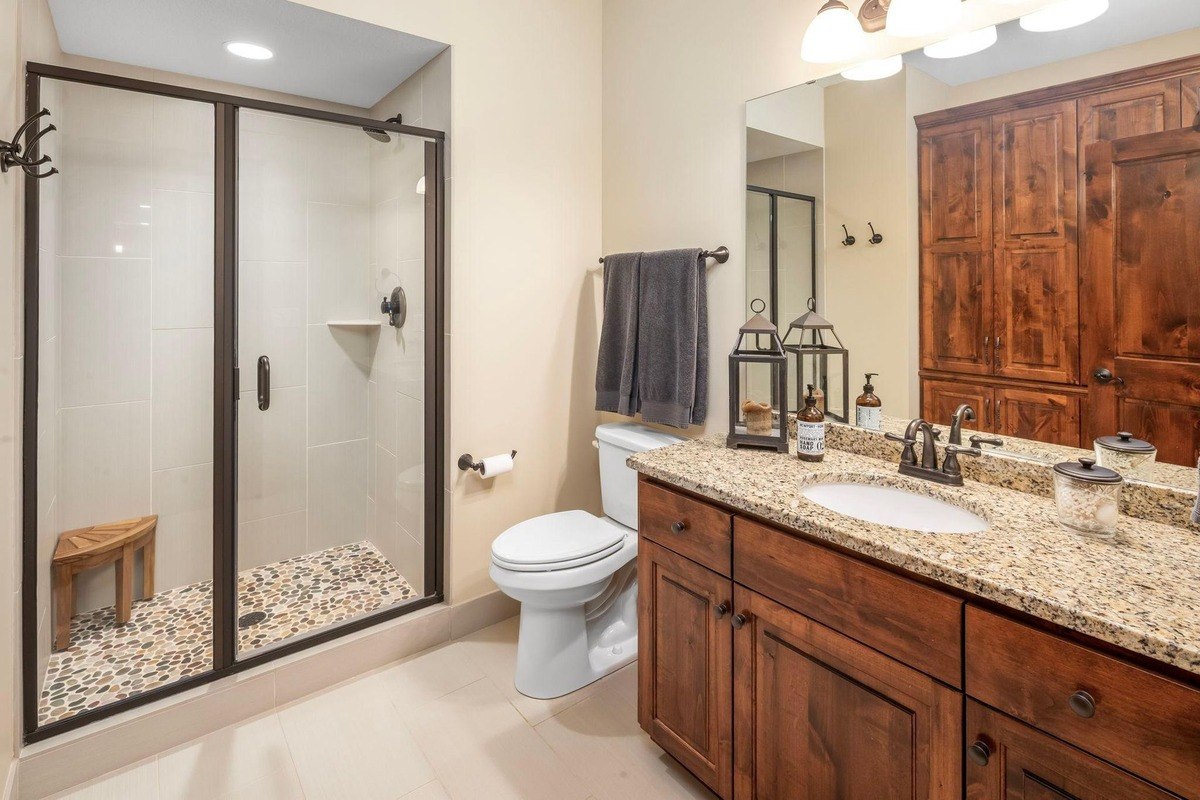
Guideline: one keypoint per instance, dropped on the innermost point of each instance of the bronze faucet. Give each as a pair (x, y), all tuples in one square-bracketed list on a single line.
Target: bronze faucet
[(950, 472)]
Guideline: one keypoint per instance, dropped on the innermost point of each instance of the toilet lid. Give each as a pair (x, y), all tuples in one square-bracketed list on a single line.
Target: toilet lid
[(556, 541)]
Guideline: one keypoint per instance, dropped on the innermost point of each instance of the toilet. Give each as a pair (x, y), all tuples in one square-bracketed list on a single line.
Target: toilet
[(575, 575)]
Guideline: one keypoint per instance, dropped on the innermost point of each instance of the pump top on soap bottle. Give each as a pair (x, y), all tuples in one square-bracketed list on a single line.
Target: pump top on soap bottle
[(810, 430), (868, 408)]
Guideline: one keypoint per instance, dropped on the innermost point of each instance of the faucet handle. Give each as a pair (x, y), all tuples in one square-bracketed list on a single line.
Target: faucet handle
[(955, 450), (950, 465), (909, 455), (937, 434), (895, 437), (977, 440)]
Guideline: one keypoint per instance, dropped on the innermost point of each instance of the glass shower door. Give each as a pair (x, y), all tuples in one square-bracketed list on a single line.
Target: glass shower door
[(331, 409)]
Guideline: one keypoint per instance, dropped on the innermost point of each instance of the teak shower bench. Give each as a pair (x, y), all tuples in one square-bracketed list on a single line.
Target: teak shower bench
[(85, 548)]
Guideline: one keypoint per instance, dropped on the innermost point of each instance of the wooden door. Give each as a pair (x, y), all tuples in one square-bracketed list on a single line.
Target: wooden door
[(1007, 760), (1191, 101), (1036, 214), (1141, 287), (821, 717), (1131, 111), (685, 660), (955, 163), (940, 399), (1039, 415)]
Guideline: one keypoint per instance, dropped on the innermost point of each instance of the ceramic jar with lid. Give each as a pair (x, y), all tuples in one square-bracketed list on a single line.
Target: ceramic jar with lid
[(1124, 453), (1088, 497)]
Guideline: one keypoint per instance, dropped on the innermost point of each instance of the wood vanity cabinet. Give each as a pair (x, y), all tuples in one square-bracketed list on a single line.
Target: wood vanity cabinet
[(1002, 200), (775, 667), (1045, 414)]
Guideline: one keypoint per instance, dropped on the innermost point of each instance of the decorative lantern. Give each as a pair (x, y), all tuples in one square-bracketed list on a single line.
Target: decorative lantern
[(752, 422), (811, 344)]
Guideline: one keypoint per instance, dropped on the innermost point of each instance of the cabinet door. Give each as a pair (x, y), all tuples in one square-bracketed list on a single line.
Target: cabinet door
[(822, 717), (685, 676), (1131, 111), (1007, 760), (1034, 159), (1191, 101), (956, 232), (1036, 334), (939, 399), (1039, 415)]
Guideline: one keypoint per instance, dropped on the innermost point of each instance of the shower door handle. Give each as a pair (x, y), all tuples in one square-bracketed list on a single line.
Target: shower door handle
[(264, 383)]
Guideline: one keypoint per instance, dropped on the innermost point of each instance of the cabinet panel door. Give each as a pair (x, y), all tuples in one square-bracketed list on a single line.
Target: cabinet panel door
[(956, 185), (685, 680), (1039, 415), (1191, 101), (940, 399), (1034, 187), (956, 326), (822, 717), (1011, 761), (1131, 111), (1037, 314)]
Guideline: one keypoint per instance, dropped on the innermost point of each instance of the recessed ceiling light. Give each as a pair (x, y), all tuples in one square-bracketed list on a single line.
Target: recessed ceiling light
[(874, 70), (1063, 14), (255, 52), (963, 44)]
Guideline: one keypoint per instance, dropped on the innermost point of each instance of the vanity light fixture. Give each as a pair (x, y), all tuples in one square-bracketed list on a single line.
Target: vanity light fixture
[(834, 36), (912, 18), (421, 185), (964, 44), (254, 52), (875, 70), (1063, 14)]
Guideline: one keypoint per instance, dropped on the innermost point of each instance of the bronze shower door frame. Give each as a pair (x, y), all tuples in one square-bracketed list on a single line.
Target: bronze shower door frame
[(225, 394)]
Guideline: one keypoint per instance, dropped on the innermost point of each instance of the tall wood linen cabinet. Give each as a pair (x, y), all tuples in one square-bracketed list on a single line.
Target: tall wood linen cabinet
[(1002, 188)]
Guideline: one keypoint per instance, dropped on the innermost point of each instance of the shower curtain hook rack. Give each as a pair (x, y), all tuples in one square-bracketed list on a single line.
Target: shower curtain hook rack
[(11, 152)]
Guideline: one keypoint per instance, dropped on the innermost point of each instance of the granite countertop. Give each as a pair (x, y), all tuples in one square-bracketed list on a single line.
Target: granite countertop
[(1140, 590)]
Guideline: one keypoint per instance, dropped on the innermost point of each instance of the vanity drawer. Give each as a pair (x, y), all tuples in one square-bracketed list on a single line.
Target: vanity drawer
[(691, 528), (909, 621), (1141, 721)]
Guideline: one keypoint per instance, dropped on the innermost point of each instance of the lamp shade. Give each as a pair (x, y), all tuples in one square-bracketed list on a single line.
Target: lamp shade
[(911, 18), (835, 36), (964, 44), (1063, 14)]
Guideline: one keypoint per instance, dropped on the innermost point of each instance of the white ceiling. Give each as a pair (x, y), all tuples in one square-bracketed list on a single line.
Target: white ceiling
[(1125, 22), (317, 54)]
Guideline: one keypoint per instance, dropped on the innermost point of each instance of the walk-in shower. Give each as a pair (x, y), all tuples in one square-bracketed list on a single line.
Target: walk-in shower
[(230, 453)]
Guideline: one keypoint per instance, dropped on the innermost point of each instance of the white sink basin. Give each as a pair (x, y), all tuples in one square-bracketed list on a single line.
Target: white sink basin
[(885, 505)]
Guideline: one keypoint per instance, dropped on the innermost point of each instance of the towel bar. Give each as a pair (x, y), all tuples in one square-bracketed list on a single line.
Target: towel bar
[(721, 254)]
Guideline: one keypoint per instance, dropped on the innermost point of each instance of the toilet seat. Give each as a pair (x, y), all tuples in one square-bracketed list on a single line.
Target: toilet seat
[(558, 541)]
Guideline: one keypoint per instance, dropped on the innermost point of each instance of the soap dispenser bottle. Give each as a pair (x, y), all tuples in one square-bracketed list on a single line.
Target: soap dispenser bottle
[(810, 430), (868, 408)]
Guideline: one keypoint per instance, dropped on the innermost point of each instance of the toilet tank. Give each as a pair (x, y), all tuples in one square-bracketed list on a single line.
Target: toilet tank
[(618, 483)]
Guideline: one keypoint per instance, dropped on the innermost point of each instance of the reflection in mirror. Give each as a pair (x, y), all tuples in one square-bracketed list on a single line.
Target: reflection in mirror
[(1033, 201)]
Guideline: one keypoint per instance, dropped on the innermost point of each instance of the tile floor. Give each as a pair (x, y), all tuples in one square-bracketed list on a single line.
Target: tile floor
[(444, 724), (169, 635)]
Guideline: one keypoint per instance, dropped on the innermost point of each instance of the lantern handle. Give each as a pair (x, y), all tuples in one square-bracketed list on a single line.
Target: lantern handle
[(761, 302)]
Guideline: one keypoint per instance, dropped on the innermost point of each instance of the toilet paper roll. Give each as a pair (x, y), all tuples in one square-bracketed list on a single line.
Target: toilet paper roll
[(496, 465)]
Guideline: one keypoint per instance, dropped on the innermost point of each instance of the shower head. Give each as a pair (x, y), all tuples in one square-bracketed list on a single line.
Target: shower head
[(382, 135)]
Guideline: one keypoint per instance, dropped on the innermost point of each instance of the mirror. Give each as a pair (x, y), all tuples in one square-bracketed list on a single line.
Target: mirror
[(1006, 230)]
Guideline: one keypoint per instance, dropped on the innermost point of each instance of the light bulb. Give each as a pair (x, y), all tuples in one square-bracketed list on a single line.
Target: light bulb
[(1063, 14), (912, 18), (835, 36), (875, 70), (254, 52), (963, 44)]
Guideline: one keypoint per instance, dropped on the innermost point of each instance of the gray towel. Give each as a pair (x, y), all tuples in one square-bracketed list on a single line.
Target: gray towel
[(616, 375), (672, 372)]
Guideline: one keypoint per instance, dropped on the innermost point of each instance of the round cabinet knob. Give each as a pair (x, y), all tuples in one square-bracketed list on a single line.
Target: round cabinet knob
[(678, 527), (721, 610), (979, 753), (739, 621), (1083, 704)]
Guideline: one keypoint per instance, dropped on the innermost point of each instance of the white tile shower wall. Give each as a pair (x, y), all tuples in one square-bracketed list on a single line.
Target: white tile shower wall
[(128, 254), (397, 372)]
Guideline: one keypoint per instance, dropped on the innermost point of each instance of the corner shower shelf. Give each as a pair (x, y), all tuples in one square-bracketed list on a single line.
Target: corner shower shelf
[(353, 323)]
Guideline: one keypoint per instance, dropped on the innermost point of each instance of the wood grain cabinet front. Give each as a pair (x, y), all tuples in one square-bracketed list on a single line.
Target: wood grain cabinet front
[(685, 525)]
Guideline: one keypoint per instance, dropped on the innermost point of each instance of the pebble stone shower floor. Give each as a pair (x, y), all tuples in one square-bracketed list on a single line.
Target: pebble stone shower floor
[(169, 636)]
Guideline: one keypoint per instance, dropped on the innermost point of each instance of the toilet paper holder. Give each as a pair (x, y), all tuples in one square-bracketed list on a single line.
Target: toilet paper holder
[(466, 461)]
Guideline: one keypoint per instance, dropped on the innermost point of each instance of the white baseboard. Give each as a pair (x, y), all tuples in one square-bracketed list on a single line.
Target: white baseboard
[(10, 782)]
